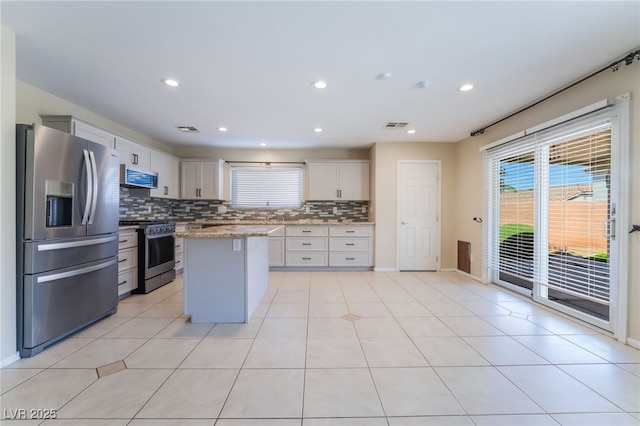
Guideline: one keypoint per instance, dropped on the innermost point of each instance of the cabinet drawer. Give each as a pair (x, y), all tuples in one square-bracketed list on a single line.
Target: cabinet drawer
[(349, 259), (178, 261), (307, 231), (127, 281), (350, 231), (307, 258), (127, 259), (179, 245), (349, 244), (304, 244), (127, 239)]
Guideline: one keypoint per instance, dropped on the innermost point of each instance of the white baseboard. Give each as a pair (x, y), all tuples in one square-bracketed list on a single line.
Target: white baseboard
[(633, 343), (385, 270), (10, 360), (473, 277)]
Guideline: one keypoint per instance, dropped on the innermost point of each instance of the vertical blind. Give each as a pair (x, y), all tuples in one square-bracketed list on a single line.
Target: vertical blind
[(257, 186), (548, 208)]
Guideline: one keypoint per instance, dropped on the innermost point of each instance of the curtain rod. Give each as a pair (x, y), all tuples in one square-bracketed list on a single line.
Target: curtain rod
[(265, 162), (614, 66)]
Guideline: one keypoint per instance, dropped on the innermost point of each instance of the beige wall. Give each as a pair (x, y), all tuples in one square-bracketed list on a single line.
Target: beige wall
[(7, 201), (33, 102), (257, 154), (385, 158), (469, 190)]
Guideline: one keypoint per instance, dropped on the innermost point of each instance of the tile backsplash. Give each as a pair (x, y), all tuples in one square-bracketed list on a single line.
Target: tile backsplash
[(136, 204)]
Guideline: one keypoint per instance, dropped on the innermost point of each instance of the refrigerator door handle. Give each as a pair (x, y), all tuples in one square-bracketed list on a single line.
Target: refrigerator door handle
[(89, 193), (73, 244), (69, 274), (94, 201)]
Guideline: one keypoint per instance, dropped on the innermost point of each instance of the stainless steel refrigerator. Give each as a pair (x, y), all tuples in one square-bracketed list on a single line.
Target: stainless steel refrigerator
[(67, 235)]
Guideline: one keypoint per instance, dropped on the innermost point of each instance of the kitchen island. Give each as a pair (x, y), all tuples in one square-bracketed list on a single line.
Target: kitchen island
[(226, 271)]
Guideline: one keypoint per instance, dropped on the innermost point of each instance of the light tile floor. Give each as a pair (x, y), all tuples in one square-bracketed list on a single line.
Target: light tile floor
[(334, 348)]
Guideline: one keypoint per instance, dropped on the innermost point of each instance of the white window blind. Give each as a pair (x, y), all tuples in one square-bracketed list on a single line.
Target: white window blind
[(548, 209), (255, 186)]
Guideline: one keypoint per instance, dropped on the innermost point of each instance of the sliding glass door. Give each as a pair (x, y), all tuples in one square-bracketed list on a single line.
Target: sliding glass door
[(552, 200)]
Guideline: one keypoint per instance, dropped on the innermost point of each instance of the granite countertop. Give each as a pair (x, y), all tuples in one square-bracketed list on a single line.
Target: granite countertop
[(229, 231), (125, 227)]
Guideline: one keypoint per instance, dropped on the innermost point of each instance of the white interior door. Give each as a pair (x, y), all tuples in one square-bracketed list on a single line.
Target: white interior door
[(418, 215)]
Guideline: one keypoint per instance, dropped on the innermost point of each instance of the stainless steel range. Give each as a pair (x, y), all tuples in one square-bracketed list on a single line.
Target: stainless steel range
[(156, 254)]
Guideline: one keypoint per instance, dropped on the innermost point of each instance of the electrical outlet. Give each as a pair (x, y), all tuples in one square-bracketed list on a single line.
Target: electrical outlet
[(222, 209), (237, 245), (187, 209), (307, 209), (148, 209), (335, 210), (364, 209), (471, 257)]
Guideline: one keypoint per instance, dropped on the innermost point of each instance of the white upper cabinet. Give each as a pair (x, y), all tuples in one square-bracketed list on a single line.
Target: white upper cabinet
[(338, 180), (77, 127), (133, 153), (168, 169), (202, 180)]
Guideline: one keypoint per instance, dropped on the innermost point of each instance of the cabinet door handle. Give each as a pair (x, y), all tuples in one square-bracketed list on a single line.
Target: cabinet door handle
[(306, 230), (123, 282), (350, 258), (166, 190), (306, 244), (337, 193), (178, 245), (306, 258), (135, 158), (350, 244), (123, 260), (349, 232), (122, 241)]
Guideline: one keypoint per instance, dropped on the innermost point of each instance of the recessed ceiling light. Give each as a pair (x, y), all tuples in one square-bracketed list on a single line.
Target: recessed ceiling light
[(411, 131), (424, 84), (263, 144), (320, 84), (170, 82), (317, 130), (383, 76), (465, 87), (222, 129)]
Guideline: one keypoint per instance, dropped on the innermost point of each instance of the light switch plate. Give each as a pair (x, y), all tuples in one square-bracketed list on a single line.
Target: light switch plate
[(237, 244)]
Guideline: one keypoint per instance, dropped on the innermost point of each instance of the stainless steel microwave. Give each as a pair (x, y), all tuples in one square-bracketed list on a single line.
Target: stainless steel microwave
[(131, 176)]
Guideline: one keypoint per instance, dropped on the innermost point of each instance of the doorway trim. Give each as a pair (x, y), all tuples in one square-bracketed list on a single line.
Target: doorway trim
[(438, 163)]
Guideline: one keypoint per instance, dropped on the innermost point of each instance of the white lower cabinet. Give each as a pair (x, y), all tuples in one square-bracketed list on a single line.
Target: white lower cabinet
[(351, 245), (127, 261), (276, 248), (307, 245), (336, 246), (179, 249)]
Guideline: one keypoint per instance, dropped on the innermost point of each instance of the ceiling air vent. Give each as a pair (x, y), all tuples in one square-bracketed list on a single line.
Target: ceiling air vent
[(188, 129), (396, 125)]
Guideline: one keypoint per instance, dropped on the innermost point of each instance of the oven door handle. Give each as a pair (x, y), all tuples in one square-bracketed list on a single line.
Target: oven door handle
[(153, 237)]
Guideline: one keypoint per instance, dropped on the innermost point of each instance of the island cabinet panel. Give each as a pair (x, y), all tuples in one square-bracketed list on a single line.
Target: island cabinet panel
[(224, 278)]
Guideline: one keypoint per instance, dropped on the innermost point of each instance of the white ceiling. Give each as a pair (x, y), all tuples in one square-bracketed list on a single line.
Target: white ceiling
[(249, 66)]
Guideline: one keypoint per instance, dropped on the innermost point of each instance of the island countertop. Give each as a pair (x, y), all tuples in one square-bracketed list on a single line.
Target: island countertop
[(229, 231)]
